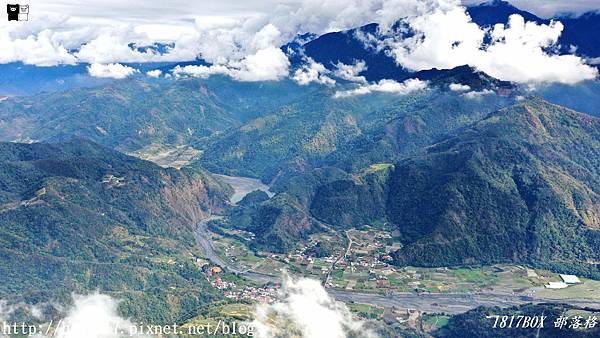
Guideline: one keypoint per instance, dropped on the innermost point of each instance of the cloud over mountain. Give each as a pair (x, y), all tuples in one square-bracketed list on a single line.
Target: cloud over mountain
[(111, 70), (385, 86), (245, 45), (518, 51)]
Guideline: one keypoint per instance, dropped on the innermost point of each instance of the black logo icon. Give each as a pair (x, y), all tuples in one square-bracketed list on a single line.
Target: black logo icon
[(17, 12)]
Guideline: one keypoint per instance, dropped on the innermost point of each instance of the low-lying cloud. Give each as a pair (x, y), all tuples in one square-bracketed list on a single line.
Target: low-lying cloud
[(265, 65), (385, 86), (91, 316), (313, 71), (155, 73), (111, 70), (306, 310), (303, 309)]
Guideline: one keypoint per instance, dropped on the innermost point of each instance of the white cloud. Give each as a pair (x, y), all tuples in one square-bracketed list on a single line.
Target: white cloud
[(108, 48), (306, 310), (594, 61), (549, 8), (200, 71), (245, 37), (351, 72), (111, 70), (266, 65), (312, 71), (154, 73), (385, 86), (477, 94), (36, 49), (458, 87), (91, 316), (222, 33), (446, 38)]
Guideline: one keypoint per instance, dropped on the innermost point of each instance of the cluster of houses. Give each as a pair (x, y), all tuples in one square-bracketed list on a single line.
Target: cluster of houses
[(266, 294)]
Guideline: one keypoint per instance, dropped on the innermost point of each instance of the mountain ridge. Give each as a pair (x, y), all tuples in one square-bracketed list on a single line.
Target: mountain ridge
[(79, 217)]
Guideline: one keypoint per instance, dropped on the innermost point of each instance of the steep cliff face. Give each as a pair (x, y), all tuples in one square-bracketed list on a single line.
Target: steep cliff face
[(194, 196), (77, 217)]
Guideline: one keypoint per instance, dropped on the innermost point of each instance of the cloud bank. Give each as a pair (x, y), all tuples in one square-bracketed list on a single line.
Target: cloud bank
[(245, 44), (265, 65), (155, 73), (303, 309), (518, 51), (313, 71)]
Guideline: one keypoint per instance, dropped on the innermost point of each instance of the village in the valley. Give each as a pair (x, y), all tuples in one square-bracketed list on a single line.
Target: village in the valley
[(359, 261)]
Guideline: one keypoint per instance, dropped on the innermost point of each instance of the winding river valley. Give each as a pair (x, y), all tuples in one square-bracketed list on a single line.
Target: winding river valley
[(451, 303)]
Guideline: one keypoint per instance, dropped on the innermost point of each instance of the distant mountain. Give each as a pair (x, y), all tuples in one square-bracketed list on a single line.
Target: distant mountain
[(135, 115), (580, 32), (78, 217), (350, 133), (20, 79), (464, 75), (489, 13), (347, 47)]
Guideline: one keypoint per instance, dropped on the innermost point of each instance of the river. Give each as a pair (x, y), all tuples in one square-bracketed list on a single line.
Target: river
[(430, 302), (242, 186)]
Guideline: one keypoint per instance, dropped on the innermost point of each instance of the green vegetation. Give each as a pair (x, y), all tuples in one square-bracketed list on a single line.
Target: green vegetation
[(351, 133), (143, 117), (321, 249), (277, 223), (466, 186), (366, 311), (78, 217), (521, 186)]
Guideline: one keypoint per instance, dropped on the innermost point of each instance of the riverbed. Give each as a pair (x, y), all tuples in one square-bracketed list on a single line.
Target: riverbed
[(242, 186)]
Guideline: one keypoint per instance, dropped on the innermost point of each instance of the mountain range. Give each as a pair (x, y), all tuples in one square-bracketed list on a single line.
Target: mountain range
[(517, 184), (328, 49), (347, 47), (78, 217), (467, 170)]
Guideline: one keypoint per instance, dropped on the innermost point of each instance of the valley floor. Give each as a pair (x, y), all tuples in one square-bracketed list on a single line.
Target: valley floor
[(354, 273)]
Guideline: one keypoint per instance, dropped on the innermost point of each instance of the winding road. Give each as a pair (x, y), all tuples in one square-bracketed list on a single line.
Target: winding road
[(203, 238), (451, 303)]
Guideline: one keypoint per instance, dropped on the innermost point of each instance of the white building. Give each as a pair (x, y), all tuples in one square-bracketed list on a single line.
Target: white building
[(556, 285), (570, 279)]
